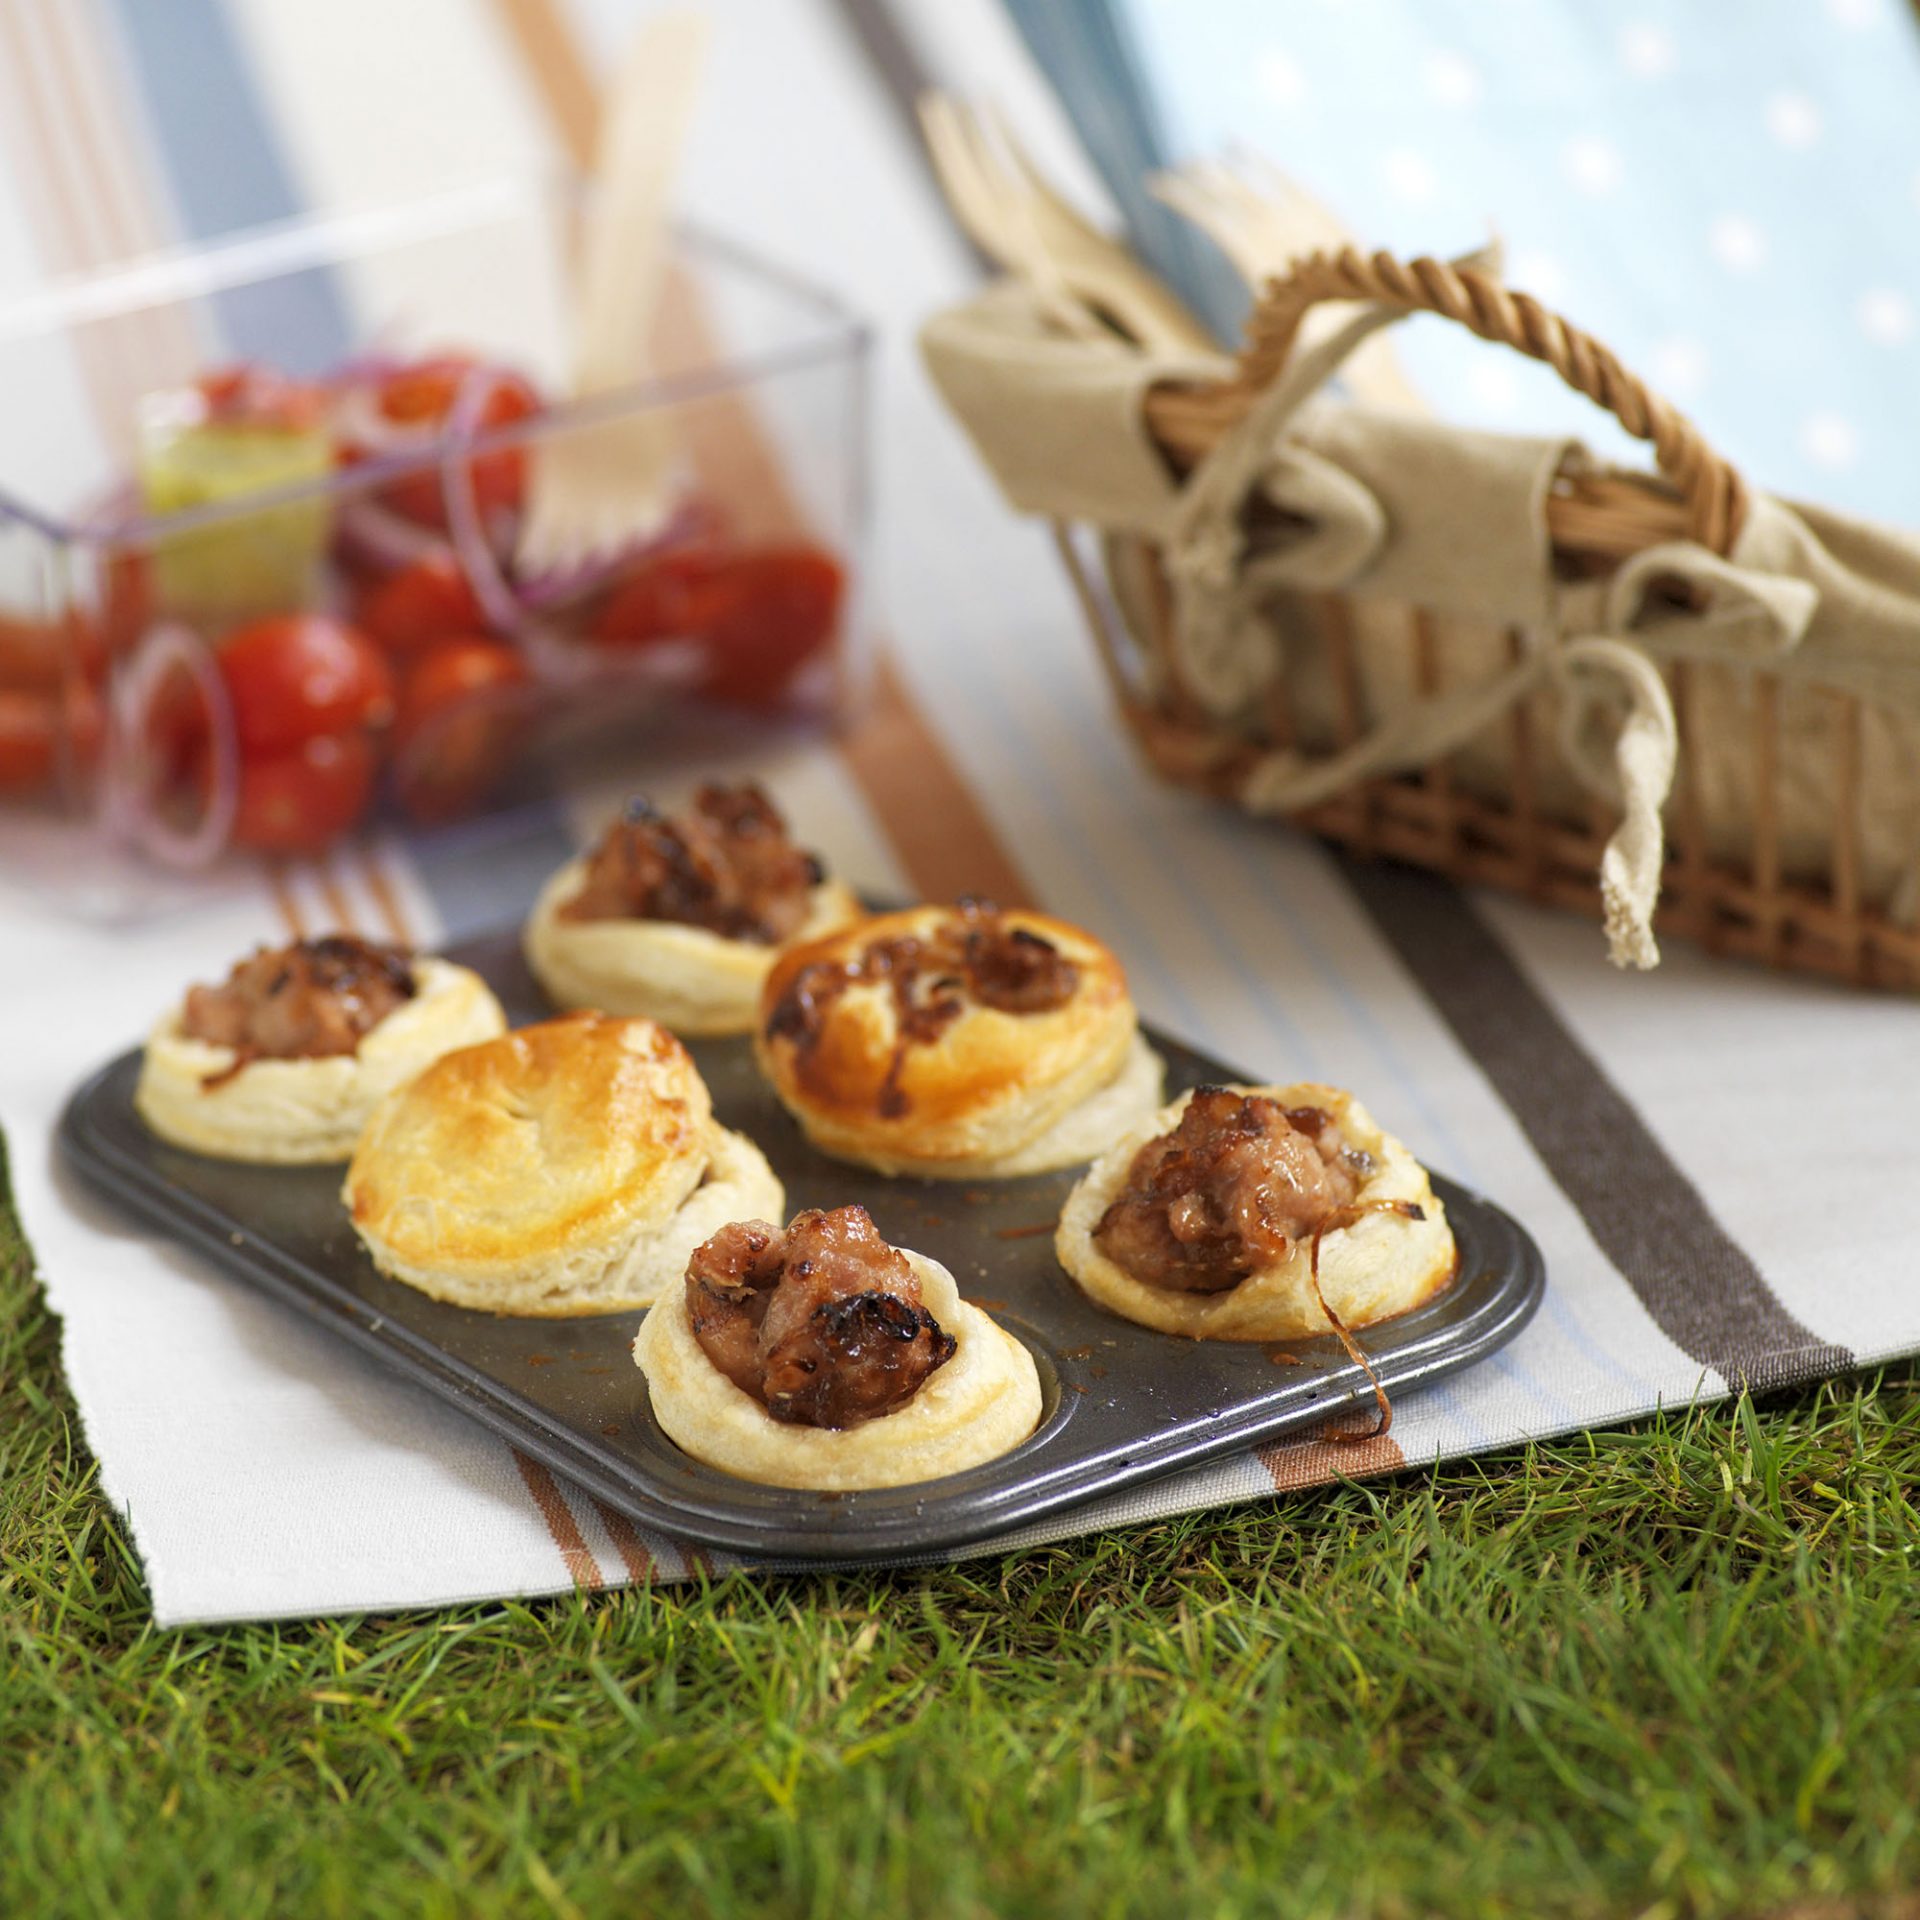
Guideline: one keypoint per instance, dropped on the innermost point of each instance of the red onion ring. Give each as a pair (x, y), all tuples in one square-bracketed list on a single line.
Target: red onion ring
[(512, 605), (358, 420), (369, 534), (131, 807), (467, 529)]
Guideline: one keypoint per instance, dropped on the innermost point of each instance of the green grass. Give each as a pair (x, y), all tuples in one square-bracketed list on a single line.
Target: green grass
[(1673, 1670)]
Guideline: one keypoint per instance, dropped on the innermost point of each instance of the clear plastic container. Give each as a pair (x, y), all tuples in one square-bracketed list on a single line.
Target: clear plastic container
[(240, 619)]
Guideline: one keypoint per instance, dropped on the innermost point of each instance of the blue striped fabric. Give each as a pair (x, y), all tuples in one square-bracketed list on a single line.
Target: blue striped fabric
[(227, 171)]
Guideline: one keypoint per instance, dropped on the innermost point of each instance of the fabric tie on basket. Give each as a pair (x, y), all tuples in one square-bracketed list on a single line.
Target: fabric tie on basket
[(1308, 495), (1228, 657)]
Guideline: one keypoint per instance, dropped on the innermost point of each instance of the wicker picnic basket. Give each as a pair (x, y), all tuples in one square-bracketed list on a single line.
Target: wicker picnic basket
[(1516, 666)]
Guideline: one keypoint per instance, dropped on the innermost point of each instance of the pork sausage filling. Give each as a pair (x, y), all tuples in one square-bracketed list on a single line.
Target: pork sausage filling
[(301, 1002), (1232, 1189), (725, 864), (822, 1323)]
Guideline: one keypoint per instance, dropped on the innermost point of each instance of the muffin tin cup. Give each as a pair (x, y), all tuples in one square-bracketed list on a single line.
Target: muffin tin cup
[(1122, 1405)]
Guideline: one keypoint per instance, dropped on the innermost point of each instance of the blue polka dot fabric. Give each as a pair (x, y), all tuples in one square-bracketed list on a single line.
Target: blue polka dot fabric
[(1727, 192)]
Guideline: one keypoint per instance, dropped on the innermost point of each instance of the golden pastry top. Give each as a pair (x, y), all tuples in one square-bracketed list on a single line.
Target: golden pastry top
[(547, 1139), (919, 1025)]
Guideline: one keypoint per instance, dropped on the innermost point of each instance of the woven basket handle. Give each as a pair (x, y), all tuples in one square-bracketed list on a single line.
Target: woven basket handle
[(1714, 493)]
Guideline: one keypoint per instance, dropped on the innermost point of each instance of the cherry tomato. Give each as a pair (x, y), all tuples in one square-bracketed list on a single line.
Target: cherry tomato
[(175, 733), (423, 395), (669, 596), (42, 656), (126, 599), (779, 610), (249, 395), (45, 656), (449, 676), (304, 799), (427, 602), (762, 614), (456, 725), (29, 741), (295, 676), (43, 734)]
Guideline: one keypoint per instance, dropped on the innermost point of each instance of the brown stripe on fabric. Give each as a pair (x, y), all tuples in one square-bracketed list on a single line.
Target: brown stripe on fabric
[(386, 897), (277, 885), (635, 1555), (942, 837), (732, 457), (559, 71), (1346, 1448), (334, 897), (1701, 1288), (583, 1568)]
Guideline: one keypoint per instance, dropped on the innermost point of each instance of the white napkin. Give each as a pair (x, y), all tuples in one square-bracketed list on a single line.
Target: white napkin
[(267, 1470)]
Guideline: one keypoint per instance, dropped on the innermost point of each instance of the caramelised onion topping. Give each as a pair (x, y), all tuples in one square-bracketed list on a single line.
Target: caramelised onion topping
[(974, 956)]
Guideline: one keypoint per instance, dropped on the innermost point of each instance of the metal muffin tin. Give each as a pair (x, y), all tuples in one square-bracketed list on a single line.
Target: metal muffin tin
[(1123, 1404)]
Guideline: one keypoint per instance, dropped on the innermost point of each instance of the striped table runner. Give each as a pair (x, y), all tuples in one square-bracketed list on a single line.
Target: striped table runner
[(1712, 1159)]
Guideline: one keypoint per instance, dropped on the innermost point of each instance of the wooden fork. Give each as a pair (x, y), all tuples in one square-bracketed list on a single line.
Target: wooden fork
[(595, 487), (1088, 282)]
